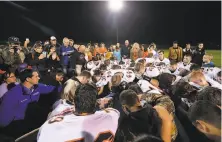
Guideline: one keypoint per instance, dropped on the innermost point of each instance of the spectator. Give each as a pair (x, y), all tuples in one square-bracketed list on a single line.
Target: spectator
[(138, 121), (145, 50), (53, 59), (85, 102), (76, 47), (88, 52), (125, 50), (10, 54), (109, 53), (118, 45), (117, 54), (162, 59), (186, 62), (39, 58), (187, 50), (53, 42), (102, 49), (96, 49), (78, 60), (207, 61), (8, 78), (175, 52), (71, 42), (28, 50), (198, 54), (206, 117), (66, 52), (135, 52), (47, 45), (15, 117)]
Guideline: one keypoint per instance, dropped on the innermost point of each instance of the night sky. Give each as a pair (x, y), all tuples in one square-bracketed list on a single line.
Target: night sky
[(144, 22)]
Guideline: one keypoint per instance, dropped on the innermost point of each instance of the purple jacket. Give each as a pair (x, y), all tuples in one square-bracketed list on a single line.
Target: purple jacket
[(15, 101)]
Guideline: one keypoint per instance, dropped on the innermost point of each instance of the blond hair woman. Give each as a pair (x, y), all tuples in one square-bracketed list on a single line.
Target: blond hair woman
[(135, 52)]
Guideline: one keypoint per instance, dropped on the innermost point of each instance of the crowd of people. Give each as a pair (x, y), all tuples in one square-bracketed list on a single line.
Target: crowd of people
[(123, 93)]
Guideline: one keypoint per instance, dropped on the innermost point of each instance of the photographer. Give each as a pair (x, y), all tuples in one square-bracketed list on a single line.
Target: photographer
[(39, 58), (10, 54)]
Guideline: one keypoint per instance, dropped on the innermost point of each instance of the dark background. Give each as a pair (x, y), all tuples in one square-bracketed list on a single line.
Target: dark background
[(143, 22)]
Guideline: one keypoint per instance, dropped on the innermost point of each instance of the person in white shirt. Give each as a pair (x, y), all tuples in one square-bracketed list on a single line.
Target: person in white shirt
[(85, 124), (186, 62), (162, 59), (174, 68)]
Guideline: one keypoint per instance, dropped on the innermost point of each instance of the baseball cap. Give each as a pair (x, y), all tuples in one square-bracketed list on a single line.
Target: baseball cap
[(52, 38), (13, 39)]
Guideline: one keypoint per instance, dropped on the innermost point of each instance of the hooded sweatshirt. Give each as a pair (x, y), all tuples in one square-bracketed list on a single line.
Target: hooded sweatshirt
[(143, 121)]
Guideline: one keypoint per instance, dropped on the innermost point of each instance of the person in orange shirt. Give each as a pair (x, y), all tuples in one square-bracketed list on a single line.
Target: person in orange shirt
[(88, 53), (103, 48), (145, 51), (96, 49)]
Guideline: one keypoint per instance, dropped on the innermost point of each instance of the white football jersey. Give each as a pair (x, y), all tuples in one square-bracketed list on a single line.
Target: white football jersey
[(97, 127), (181, 65), (211, 72), (165, 60)]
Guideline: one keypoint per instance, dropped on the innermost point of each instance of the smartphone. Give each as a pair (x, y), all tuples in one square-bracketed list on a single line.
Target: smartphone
[(27, 39)]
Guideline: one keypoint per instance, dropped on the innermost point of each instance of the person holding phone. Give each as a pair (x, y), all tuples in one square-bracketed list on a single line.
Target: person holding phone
[(53, 59), (39, 58)]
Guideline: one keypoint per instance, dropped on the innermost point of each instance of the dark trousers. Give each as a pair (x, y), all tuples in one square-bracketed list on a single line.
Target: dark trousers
[(35, 116)]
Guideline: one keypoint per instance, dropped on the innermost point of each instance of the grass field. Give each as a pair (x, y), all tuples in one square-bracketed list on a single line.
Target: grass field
[(215, 53)]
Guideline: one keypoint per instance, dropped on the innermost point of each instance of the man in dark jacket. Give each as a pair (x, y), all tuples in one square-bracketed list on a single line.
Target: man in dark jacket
[(78, 60), (138, 121), (198, 54), (125, 50), (65, 52)]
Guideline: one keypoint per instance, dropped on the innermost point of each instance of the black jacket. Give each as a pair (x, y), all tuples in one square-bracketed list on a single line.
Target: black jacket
[(198, 56), (52, 64), (144, 121), (125, 51), (39, 63), (77, 58)]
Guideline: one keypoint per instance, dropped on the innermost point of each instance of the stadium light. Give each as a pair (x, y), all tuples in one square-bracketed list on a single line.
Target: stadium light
[(115, 5)]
